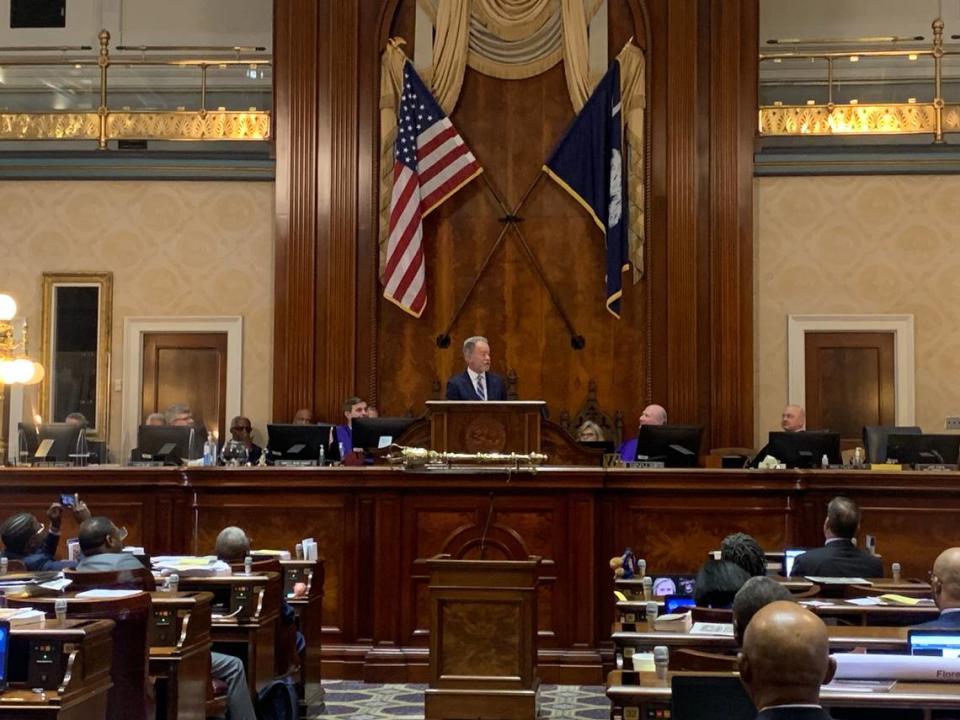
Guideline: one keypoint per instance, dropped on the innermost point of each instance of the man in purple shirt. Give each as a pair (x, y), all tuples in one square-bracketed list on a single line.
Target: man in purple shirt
[(651, 415), (353, 407)]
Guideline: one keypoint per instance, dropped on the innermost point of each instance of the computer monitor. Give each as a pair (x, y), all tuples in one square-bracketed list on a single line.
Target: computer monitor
[(935, 643), (706, 697), (677, 603), (789, 555), (674, 445), (875, 439), (301, 443), (4, 651), (805, 449), (606, 446), (374, 433), (61, 442), (171, 444), (923, 449), (665, 585)]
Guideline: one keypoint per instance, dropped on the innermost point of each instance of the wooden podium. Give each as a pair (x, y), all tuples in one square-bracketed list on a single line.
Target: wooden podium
[(471, 427), (483, 640)]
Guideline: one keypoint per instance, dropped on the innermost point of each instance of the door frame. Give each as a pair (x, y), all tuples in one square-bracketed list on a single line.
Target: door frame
[(134, 329), (904, 368)]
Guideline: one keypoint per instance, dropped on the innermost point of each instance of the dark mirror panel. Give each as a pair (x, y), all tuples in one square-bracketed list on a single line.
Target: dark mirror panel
[(75, 334)]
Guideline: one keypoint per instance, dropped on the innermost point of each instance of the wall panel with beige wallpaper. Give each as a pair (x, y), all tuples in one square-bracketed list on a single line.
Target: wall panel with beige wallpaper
[(886, 244), (174, 248)]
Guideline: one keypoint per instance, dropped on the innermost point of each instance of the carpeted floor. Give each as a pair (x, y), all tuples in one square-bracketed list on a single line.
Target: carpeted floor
[(361, 701)]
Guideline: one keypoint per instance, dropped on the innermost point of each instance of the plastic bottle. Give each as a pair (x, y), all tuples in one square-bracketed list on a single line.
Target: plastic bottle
[(322, 456), (210, 452), (824, 461)]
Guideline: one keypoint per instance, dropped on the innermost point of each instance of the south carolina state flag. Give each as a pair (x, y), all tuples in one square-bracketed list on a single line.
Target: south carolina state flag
[(588, 164)]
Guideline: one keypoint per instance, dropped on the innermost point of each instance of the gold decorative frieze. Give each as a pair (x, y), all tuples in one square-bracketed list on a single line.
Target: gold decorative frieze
[(187, 125), (49, 126), (904, 118)]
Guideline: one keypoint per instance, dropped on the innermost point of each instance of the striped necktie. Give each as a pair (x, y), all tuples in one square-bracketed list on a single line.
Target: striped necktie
[(481, 390)]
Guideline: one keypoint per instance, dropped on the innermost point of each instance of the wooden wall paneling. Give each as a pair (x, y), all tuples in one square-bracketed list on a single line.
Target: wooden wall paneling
[(385, 570), (296, 74), (732, 112)]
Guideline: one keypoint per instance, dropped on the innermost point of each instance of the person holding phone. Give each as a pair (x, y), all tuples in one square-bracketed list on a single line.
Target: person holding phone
[(25, 538)]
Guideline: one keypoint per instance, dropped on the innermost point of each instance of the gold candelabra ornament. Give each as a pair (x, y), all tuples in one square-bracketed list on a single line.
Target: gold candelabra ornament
[(15, 366)]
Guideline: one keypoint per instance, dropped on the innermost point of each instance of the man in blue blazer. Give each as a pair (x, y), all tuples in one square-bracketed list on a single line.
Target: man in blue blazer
[(476, 382), (839, 557), (945, 584), (651, 415)]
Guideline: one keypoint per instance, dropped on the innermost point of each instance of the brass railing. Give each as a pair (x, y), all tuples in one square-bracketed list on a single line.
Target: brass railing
[(934, 118), (106, 123)]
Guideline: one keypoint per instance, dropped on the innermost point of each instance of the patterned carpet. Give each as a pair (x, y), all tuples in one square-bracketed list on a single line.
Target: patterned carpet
[(361, 701)]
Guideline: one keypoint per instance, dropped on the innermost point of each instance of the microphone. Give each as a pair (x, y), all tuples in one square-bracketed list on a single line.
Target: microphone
[(486, 526), (895, 569), (661, 659), (647, 587), (652, 611), (642, 567)]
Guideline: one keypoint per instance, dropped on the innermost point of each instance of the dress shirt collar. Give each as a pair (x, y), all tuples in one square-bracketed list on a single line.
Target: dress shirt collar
[(835, 539), (474, 375)]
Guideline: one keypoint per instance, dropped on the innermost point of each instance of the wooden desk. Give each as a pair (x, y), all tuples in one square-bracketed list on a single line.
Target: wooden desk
[(653, 694), (251, 633), (180, 653), (69, 662), (874, 639), (892, 615), (309, 610)]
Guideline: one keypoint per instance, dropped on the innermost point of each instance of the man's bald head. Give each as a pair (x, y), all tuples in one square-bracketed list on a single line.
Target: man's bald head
[(945, 580), (233, 545), (653, 415), (794, 418), (786, 656)]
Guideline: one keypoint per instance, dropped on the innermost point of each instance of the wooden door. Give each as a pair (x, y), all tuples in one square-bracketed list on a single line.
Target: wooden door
[(849, 382), (189, 368)]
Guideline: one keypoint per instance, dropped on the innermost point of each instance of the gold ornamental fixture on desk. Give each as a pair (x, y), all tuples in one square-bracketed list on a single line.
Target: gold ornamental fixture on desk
[(422, 458), (15, 366)]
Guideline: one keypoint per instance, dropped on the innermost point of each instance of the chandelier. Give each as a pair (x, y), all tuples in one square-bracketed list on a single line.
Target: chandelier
[(15, 366)]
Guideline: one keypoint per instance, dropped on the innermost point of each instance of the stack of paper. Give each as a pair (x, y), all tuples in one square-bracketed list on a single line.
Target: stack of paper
[(106, 593), (21, 616), (187, 566), (706, 628), (309, 549), (279, 554)]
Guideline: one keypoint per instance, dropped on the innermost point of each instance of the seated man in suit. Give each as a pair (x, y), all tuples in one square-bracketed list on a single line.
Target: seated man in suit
[(839, 557), (353, 407), (24, 538), (241, 429), (303, 416), (101, 543), (476, 382), (651, 415), (785, 660), (793, 419), (945, 583), (756, 593)]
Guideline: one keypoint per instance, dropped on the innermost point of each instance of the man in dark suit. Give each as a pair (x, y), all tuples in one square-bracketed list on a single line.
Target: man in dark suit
[(101, 543), (241, 429), (476, 382), (945, 584), (785, 659), (839, 557)]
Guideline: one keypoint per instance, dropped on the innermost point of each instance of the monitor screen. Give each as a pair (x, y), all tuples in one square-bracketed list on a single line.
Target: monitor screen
[(378, 432), (674, 445), (805, 449), (665, 585), (4, 645), (677, 603), (170, 443), (706, 697), (302, 442), (789, 555), (937, 643), (923, 449), (68, 441)]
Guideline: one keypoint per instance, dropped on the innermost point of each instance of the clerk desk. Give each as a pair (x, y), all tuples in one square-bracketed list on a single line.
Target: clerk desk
[(376, 525)]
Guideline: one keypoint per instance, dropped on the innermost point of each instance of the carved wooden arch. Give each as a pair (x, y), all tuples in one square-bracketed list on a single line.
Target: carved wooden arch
[(500, 543)]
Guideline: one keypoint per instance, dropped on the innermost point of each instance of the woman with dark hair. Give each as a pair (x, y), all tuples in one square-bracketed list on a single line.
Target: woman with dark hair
[(746, 552), (718, 582)]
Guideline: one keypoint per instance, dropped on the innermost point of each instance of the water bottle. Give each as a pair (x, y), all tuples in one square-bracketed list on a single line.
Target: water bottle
[(661, 660), (209, 452), (4, 564), (824, 461), (343, 452), (895, 568), (647, 587), (322, 456), (248, 565), (173, 583), (60, 609), (652, 611)]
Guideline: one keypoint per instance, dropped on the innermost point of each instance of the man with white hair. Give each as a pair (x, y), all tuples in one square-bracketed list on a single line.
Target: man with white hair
[(476, 382)]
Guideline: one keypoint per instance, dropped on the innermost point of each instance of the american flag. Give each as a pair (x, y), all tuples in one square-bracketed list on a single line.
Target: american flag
[(431, 162)]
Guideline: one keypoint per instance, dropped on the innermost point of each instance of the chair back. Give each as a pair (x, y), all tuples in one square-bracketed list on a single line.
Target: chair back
[(129, 666), (139, 579), (264, 565), (875, 439), (859, 591), (712, 615), (690, 660)]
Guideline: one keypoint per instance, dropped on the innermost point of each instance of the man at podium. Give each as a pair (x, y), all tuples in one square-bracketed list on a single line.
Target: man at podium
[(476, 382)]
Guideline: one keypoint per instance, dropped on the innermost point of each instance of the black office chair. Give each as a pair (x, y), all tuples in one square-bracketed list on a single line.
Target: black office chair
[(875, 439)]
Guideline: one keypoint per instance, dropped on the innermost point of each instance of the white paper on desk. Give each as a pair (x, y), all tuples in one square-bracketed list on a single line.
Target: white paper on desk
[(816, 603), (825, 580), (58, 585), (107, 593), (860, 666), (708, 628), (863, 686), (186, 566), (866, 601)]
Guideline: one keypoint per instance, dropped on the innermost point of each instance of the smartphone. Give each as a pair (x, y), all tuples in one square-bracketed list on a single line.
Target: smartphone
[(68, 500), (4, 646)]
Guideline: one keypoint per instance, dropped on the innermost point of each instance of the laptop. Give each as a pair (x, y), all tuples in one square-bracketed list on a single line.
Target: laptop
[(677, 603), (943, 642), (664, 585), (789, 555)]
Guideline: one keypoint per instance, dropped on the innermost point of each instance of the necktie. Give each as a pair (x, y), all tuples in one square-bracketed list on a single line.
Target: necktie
[(481, 390)]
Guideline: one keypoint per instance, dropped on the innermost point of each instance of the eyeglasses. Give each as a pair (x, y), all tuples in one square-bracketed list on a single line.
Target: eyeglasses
[(241, 428)]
